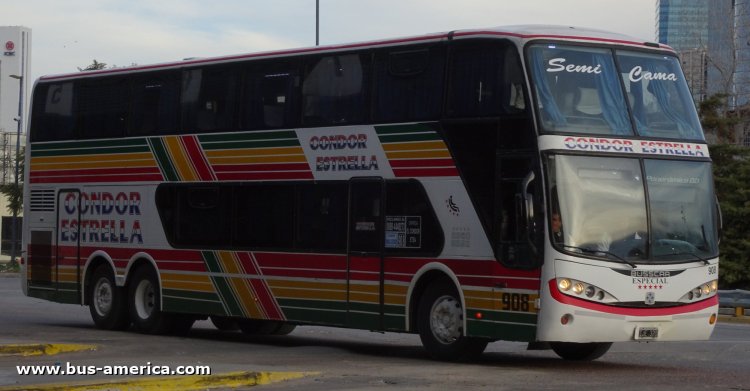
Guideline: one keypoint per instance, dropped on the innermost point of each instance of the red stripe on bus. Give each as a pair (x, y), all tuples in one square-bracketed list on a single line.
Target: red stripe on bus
[(298, 273), (304, 261), (96, 171), (198, 158), (425, 172), (412, 163), (628, 311), (256, 176), (260, 286), (263, 167), (100, 178)]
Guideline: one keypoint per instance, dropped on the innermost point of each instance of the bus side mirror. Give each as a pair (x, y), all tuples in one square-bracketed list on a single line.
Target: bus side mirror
[(528, 199)]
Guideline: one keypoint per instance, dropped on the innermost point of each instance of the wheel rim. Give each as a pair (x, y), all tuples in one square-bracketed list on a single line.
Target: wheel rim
[(446, 319), (103, 296), (145, 299)]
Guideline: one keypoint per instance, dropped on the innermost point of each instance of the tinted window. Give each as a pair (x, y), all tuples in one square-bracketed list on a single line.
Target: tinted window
[(408, 84), (154, 104), (270, 97), (208, 99), (410, 222), (103, 107), (52, 112), (334, 90), (195, 216), (321, 222), (486, 81), (264, 216)]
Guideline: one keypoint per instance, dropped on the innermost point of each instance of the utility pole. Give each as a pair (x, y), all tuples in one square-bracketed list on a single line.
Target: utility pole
[(14, 225), (317, 22)]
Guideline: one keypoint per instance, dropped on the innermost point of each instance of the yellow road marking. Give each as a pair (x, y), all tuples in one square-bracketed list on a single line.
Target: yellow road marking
[(223, 381), (42, 349)]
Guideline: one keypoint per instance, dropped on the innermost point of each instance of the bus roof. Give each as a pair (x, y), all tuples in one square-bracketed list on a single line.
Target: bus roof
[(521, 34)]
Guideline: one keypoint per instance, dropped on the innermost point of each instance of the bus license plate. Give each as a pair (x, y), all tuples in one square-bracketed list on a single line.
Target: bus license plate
[(647, 333)]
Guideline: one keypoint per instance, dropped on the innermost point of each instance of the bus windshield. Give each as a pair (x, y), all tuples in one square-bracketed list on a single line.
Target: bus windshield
[(580, 90), (601, 204)]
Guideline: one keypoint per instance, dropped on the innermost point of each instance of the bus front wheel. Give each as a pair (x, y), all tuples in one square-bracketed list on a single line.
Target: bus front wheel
[(107, 302), (440, 321), (580, 351)]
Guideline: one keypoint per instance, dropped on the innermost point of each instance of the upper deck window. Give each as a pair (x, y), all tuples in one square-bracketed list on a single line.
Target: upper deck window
[(659, 97), (580, 90)]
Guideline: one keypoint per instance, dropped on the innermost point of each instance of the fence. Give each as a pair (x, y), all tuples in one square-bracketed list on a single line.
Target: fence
[(736, 302)]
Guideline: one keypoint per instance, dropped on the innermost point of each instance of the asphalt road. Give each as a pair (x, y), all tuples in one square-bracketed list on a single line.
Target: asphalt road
[(343, 359)]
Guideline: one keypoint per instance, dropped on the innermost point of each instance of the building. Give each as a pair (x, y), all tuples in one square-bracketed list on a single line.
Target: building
[(683, 25), (15, 65)]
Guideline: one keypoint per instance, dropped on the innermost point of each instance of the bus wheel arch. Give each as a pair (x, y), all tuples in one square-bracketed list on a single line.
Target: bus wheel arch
[(107, 302), (438, 313)]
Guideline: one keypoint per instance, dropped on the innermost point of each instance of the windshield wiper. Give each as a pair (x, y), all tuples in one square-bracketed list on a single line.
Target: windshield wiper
[(613, 255), (698, 257)]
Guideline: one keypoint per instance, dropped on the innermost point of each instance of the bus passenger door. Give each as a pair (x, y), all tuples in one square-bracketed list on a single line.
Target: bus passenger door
[(67, 251), (365, 254)]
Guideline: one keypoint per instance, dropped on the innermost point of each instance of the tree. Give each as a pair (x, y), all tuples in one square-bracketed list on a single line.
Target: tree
[(11, 191), (716, 120), (732, 181), (94, 66)]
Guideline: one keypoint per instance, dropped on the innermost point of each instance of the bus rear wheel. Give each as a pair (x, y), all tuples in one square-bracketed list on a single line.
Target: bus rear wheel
[(265, 327), (580, 351), (440, 321), (145, 306), (107, 302)]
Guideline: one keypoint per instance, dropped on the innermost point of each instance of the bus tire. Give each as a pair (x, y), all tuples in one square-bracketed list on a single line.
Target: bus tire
[(265, 327), (145, 303), (224, 323), (440, 321), (107, 301), (580, 351)]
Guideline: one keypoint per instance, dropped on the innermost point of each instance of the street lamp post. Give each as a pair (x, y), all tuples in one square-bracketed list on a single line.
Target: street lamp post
[(14, 224)]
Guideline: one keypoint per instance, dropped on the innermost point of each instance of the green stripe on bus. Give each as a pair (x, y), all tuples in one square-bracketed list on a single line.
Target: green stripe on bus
[(513, 317), (133, 142), (313, 304), (222, 285), (247, 136), (94, 151), (315, 315), (251, 144), (506, 332), (405, 128), (178, 304), (432, 136), (162, 159), (184, 294)]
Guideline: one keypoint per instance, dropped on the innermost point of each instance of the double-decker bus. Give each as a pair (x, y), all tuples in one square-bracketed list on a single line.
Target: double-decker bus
[(549, 185)]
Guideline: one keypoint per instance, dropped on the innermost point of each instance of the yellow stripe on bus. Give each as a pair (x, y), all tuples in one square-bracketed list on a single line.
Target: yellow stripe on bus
[(296, 293), (241, 287), (307, 285), (78, 166), (180, 159), (255, 152)]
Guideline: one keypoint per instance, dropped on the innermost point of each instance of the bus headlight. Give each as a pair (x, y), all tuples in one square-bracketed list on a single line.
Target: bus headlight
[(583, 290), (701, 292)]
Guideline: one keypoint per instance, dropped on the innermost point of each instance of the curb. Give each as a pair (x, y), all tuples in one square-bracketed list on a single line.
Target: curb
[(187, 383), (734, 319)]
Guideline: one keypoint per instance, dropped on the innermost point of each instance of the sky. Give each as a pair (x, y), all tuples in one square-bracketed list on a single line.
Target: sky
[(72, 33)]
